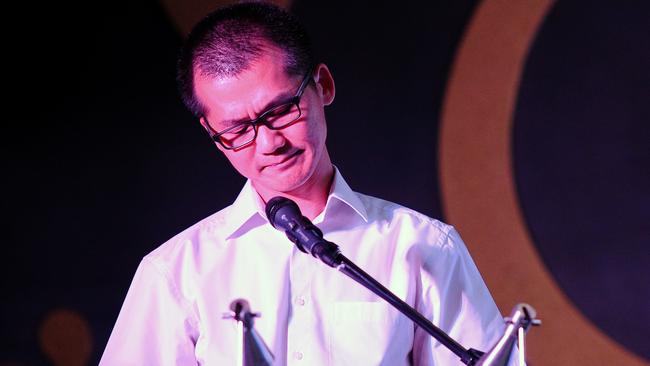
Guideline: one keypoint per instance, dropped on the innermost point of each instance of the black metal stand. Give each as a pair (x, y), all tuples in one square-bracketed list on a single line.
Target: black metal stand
[(285, 215), (522, 318), (344, 265)]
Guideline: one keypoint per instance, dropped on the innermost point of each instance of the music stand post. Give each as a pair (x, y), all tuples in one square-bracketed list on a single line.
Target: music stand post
[(252, 351)]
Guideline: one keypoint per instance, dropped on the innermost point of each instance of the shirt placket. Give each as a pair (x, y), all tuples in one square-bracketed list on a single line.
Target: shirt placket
[(301, 343)]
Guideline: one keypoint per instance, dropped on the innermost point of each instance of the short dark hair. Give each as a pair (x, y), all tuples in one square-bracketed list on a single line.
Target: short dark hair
[(229, 39)]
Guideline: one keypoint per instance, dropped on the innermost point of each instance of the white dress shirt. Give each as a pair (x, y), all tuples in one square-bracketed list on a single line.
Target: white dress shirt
[(311, 314)]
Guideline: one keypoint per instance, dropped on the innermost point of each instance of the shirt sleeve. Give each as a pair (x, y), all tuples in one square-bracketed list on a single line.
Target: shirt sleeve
[(155, 326), (455, 297)]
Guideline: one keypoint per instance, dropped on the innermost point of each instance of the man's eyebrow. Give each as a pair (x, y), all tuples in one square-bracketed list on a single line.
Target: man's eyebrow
[(280, 98)]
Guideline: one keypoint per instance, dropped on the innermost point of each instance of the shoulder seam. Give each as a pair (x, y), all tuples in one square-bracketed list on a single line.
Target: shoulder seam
[(162, 270)]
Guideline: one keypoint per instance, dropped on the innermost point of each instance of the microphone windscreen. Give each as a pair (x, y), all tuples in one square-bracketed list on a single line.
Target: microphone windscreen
[(277, 203)]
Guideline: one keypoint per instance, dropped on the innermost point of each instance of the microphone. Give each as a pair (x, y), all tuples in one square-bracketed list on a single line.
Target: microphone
[(284, 214)]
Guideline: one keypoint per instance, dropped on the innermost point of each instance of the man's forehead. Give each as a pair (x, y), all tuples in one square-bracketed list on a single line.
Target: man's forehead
[(266, 73), (264, 78), (229, 100)]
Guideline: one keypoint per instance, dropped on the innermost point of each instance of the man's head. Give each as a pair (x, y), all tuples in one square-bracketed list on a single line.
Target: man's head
[(247, 61), (227, 41)]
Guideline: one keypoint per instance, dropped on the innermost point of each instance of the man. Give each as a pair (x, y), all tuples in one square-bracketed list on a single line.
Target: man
[(248, 73)]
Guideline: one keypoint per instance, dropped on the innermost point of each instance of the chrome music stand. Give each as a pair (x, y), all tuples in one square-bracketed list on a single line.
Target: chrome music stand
[(521, 318), (252, 351)]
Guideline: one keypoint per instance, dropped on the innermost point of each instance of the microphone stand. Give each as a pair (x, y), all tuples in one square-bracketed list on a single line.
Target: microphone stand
[(331, 255), (523, 315), (285, 215)]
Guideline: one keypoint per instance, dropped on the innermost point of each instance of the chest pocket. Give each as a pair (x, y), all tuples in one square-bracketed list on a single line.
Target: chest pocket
[(367, 333)]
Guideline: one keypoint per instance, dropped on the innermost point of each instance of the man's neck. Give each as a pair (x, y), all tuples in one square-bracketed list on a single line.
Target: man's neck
[(311, 197)]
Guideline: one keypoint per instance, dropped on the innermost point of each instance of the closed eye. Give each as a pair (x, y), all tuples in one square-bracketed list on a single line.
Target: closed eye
[(241, 129), (280, 110)]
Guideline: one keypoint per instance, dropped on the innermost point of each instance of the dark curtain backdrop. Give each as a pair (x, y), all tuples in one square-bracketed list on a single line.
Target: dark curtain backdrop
[(101, 163)]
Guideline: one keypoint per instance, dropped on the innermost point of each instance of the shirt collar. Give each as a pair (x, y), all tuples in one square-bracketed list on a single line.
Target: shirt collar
[(248, 209), (341, 191)]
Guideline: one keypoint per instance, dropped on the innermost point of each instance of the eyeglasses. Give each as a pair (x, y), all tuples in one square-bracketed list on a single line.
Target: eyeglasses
[(275, 118)]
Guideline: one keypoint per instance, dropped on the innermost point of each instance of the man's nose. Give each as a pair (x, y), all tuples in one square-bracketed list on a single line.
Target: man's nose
[(268, 140)]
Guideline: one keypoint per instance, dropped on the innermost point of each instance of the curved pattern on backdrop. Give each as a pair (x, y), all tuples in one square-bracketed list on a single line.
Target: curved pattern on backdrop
[(478, 189)]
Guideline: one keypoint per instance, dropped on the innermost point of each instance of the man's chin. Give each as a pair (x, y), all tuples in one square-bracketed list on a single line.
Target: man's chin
[(286, 186)]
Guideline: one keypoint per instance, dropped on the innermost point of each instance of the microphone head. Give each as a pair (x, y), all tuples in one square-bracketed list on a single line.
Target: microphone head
[(278, 203), (285, 215)]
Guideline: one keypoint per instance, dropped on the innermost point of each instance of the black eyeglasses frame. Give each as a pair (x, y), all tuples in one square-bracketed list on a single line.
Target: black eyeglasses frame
[(262, 118)]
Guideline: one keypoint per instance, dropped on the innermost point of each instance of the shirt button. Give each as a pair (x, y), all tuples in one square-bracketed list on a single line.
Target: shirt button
[(298, 355), (300, 301)]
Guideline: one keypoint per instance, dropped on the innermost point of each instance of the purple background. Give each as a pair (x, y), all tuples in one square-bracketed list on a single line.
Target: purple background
[(101, 163)]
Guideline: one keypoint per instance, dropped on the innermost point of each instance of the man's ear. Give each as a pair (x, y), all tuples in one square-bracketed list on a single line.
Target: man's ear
[(324, 84), (204, 123)]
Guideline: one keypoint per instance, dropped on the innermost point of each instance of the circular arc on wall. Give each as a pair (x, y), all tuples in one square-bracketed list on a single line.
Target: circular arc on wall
[(478, 188)]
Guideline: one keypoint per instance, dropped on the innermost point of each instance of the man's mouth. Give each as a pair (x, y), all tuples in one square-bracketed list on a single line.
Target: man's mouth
[(285, 160)]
